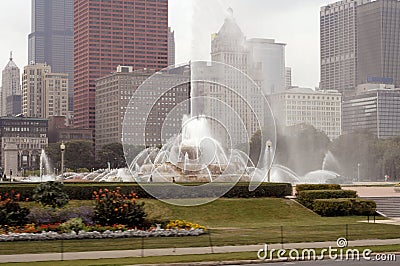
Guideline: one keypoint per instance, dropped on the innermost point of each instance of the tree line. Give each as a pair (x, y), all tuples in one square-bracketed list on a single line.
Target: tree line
[(303, 149)]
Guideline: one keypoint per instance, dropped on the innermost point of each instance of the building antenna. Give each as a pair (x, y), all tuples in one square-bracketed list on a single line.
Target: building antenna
[(11, 58)]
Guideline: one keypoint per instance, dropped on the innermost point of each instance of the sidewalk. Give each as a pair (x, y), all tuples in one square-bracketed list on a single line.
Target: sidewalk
[(180, 251)]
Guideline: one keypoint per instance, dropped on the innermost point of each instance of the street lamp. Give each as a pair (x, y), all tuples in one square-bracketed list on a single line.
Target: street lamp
[(62, 148), (269, 144)]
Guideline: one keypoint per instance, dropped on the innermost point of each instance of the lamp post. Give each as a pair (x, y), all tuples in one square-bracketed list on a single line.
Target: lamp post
[(358, 172), (269, 144), (62, 148)]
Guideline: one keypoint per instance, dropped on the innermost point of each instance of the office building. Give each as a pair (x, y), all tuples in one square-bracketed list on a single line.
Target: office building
[(111, 33), (59, 131), (379, 42), (10, 100), (321, 109), (51, 40), (44, 93), (375, 108), (238, 80), (169, 102), (338, 40), (269, 57), (21, 141), (171, 47)]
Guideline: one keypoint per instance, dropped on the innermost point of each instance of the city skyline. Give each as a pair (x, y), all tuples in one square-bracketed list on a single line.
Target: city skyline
[(301, 32)]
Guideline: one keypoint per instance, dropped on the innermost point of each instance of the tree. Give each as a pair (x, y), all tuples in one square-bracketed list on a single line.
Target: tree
[(302, 148), (390, 157), (256, 147), (79, 154), (360, 147), (112, 153)]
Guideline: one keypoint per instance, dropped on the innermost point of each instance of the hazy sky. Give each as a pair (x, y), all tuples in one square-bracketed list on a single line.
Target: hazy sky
[(294, 22)]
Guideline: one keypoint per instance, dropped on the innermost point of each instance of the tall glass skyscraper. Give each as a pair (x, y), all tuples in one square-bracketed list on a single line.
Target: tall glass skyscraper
[(51, 39)]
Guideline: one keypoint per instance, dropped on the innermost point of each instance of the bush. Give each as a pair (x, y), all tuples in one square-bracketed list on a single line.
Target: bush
[(303, 187), (307, 197), (363, 207), (74, 224), (332, 207), (11, 212), (343, 207), (113, 207), (51, 194)]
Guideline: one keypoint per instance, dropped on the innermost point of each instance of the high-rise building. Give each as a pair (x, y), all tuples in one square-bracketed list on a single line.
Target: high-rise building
[(169, 104), (51, 40), (269, 57), (231, 85), (10, 101), (321, 109), (44, 93), (171, 47), (111, 33), (379, 42), (338, 29), (375, 108)]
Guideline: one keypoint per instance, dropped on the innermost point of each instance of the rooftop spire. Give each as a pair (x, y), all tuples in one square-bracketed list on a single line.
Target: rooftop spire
[(230, 11), (11, 57)]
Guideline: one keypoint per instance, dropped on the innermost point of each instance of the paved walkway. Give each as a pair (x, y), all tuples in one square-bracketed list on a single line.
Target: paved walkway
[(180, 251), (374, 191)]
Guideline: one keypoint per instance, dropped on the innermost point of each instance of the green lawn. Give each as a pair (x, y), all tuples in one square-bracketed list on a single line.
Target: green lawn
[(231, 222)]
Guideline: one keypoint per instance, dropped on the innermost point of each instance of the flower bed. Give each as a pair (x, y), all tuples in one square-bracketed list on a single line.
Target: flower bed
[(51, 235)]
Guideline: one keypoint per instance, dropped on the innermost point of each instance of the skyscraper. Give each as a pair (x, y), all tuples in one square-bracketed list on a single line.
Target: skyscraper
[(44, 93), (51, 40), (338, 29), (111, 33), (11, 90), (269, 57), (379, 42), (171, 47)]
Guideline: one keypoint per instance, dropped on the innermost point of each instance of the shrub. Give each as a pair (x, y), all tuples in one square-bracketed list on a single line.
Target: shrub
[(303, 187), (11, 212), (343, 207), (307, 197), (51, 194), (74, 224), (363, 207), (332, 207), (113, 207)]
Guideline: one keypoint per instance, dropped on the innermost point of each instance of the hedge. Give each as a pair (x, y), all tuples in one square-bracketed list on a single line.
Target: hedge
[(303, 187), (84, 191), (332, 207), (343, 207), (307, 197)]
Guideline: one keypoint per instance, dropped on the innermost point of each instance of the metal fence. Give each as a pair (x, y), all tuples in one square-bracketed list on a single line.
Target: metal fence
[(213, 238)]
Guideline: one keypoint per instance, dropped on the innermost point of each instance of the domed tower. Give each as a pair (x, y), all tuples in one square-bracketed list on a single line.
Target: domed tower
[(229, 44)]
